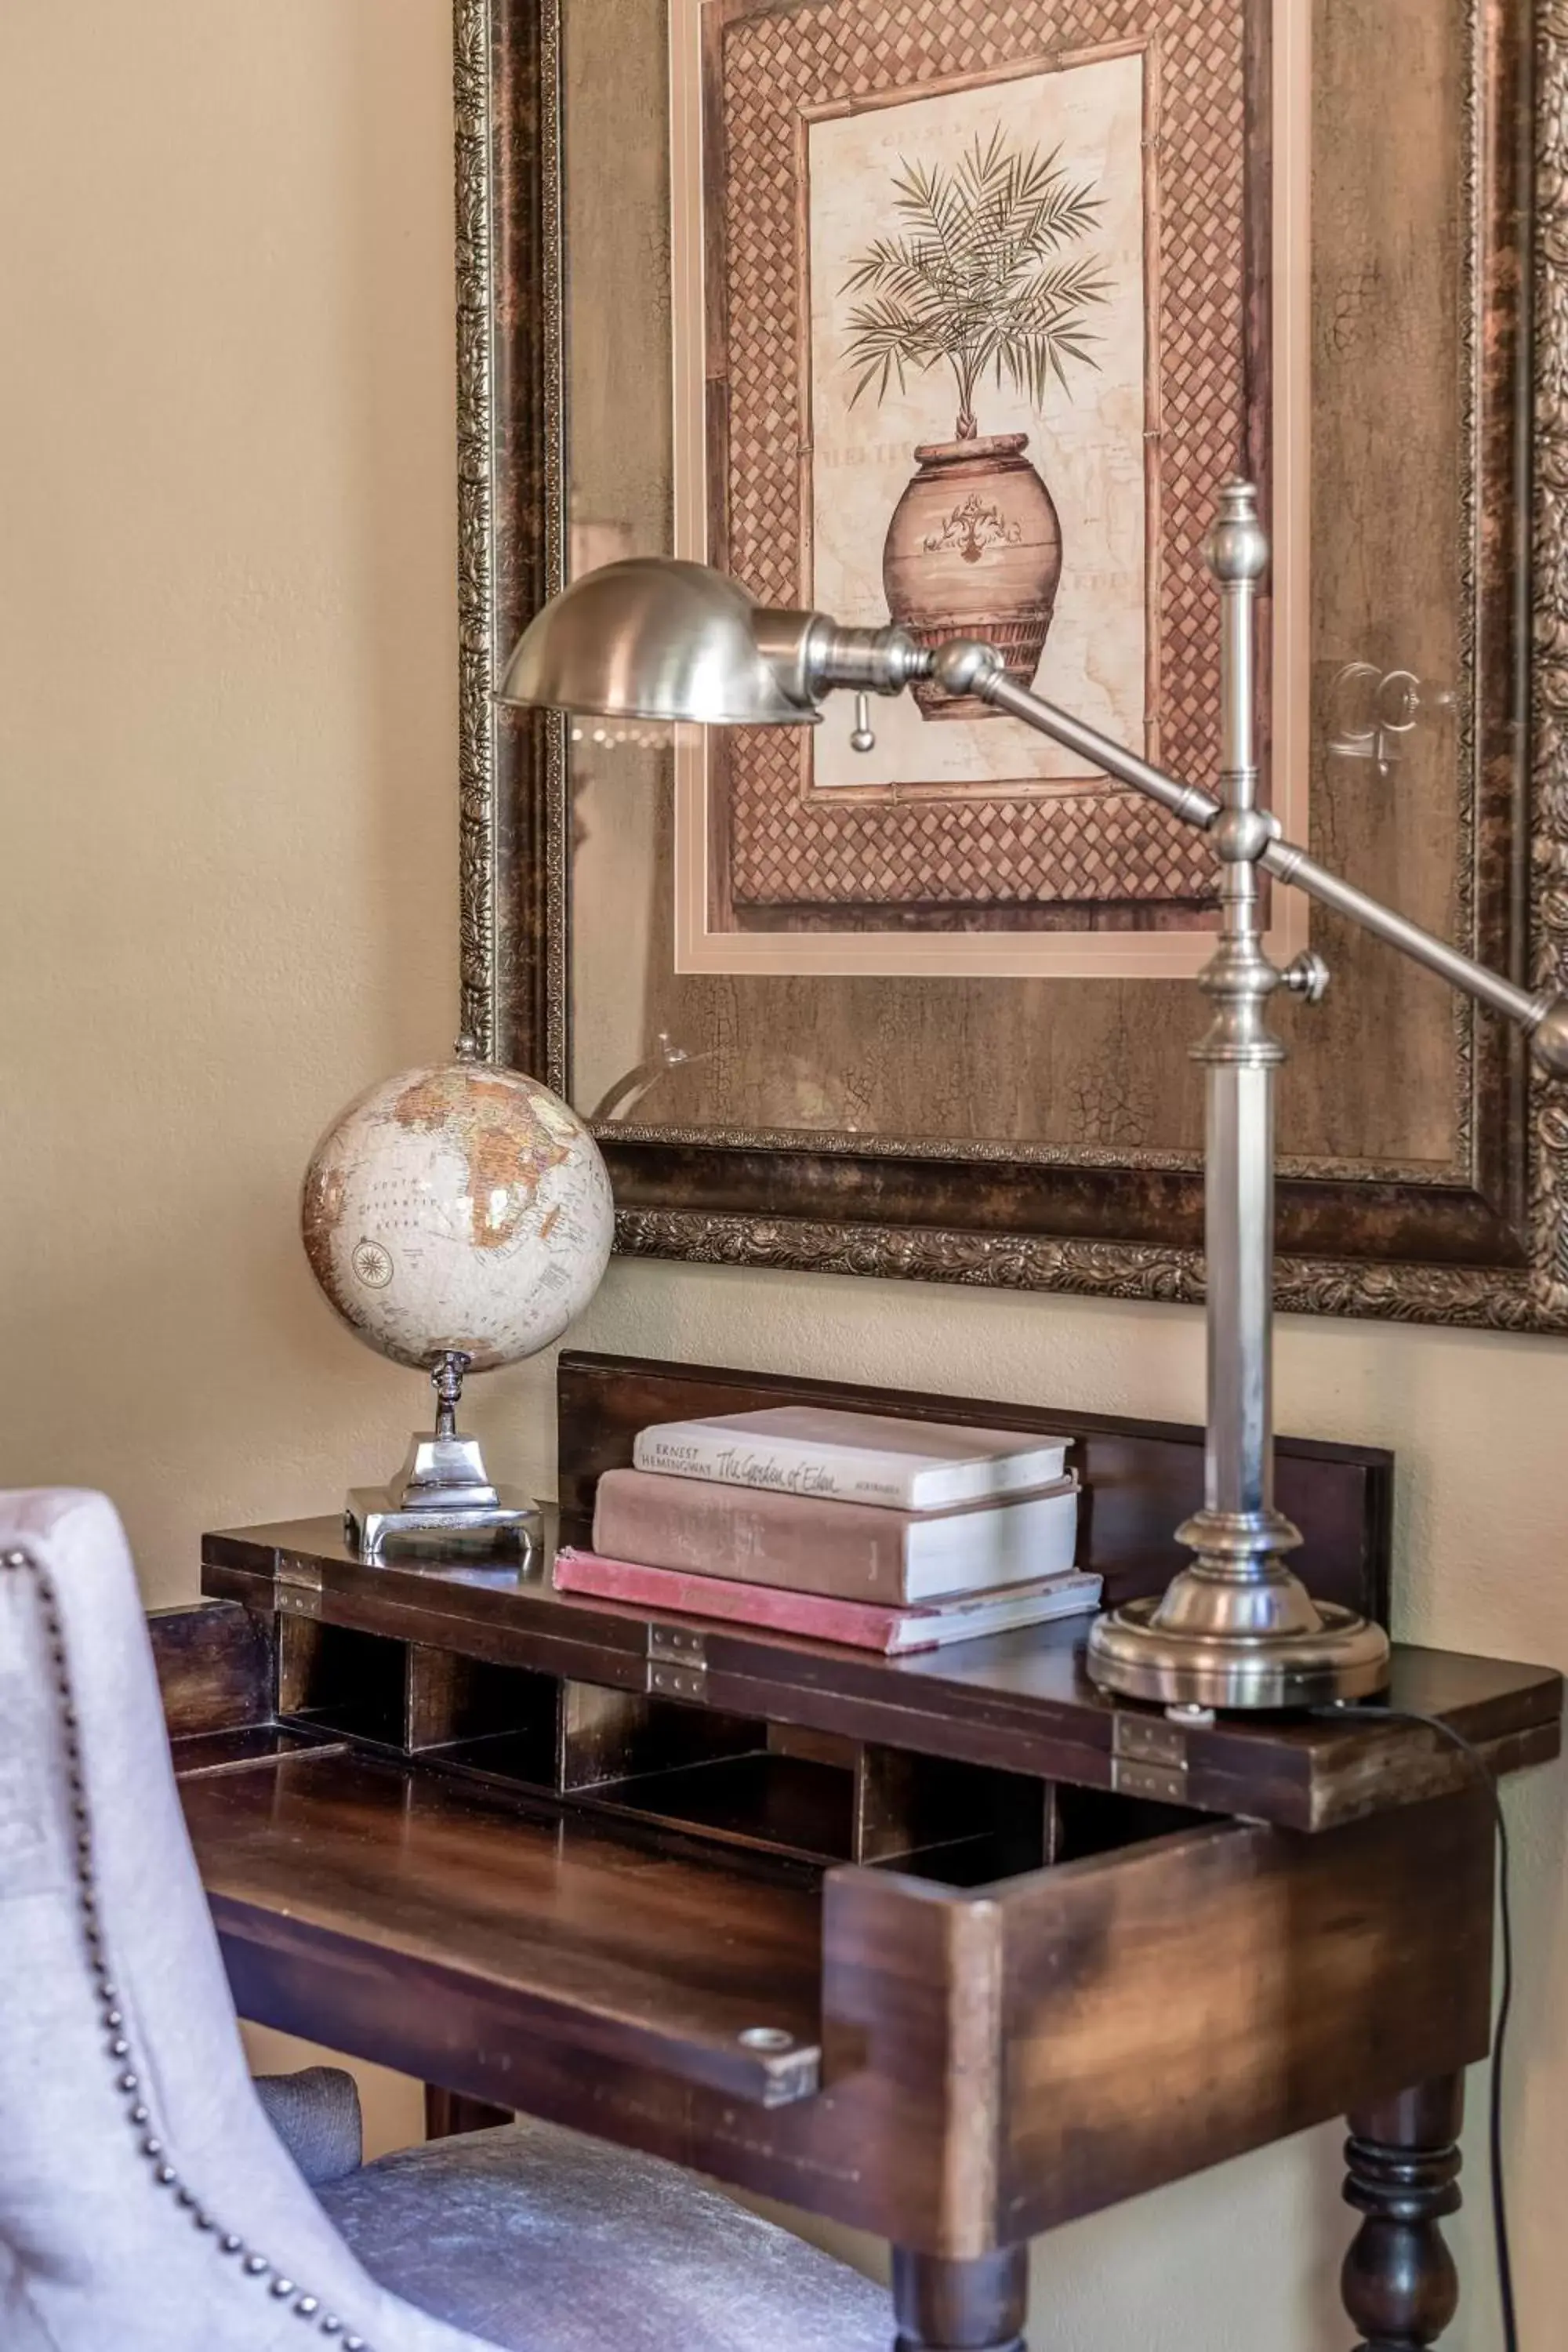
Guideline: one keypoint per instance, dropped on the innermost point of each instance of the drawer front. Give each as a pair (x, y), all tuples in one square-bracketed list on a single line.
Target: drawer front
[(1164, 2010)]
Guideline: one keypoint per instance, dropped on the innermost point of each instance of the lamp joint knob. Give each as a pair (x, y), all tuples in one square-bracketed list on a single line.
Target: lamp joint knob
[(1306, 975), (1549, 1037)]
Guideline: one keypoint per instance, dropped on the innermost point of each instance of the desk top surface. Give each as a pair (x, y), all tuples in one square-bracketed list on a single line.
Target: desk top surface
[(1018, 1700)]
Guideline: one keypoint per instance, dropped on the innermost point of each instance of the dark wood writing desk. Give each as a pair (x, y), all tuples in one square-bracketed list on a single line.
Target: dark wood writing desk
[(948, 1947)]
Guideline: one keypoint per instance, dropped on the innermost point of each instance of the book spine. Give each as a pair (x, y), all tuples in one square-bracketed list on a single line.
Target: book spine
[(702, 1527), (856, 1622), (777, 1467)]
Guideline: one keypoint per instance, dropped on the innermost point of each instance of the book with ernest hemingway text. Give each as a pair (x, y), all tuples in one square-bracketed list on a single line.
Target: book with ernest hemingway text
[(853, 1457), (854, 1551), (862, 1624)]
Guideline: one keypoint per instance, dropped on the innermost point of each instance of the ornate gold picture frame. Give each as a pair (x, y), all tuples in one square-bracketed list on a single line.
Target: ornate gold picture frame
[(1034, 1132)]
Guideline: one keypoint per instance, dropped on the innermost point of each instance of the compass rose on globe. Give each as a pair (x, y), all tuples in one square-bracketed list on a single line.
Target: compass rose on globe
[(371, 1264)]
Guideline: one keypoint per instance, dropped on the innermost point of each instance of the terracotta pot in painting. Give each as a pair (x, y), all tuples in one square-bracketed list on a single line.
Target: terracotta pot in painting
[(975, 549)]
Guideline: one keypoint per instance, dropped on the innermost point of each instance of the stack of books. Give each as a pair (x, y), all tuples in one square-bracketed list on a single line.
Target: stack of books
[(889, 1535)]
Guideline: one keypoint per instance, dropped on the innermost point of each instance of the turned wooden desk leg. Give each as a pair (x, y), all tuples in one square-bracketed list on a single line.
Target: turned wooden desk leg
[(972, 2307), (1399, 2281)]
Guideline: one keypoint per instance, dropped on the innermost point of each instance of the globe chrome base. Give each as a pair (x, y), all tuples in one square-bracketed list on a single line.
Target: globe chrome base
[(443, 1499), (1133, 1655), (378, 1525)]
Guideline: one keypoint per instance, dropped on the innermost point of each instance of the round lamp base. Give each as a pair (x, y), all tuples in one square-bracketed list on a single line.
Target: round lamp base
[(1346, 1657)]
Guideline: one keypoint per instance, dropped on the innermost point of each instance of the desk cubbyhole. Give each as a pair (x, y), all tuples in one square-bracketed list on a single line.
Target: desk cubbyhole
[(962, 1824), (1093, 1820), (784, 1805), (613, 1740), (336, 1679), (909, 1805), (500, 1721), (807, 1795), (1017, 1826), (694, 1769)]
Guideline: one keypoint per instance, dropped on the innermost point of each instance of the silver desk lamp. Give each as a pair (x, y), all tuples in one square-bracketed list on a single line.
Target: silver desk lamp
[(656, 639)]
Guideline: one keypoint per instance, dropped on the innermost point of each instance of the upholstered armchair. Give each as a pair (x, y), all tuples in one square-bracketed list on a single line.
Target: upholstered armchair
[(147, 2199)]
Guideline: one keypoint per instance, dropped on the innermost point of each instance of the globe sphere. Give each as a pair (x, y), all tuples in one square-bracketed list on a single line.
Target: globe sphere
[(457, 1209)]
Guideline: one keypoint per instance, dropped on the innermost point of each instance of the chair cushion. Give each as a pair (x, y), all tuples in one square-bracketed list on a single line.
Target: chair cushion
[(544, 2241)]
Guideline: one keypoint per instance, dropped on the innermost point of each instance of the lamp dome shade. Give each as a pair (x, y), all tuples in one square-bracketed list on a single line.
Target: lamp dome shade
[(650, 638)]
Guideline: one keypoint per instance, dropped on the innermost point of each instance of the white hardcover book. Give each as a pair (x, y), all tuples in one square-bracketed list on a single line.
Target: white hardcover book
[(977, 1548), (853, 1457)]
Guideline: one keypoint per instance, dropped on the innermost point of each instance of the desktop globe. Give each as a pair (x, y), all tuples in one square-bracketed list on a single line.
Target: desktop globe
[(457, 1218), (460, 1210)]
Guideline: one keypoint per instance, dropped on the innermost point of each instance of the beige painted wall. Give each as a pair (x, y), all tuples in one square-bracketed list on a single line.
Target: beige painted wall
[(227, 715)]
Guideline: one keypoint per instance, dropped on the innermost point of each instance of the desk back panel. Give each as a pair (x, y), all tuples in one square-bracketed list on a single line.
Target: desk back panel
[(1141, 1478)]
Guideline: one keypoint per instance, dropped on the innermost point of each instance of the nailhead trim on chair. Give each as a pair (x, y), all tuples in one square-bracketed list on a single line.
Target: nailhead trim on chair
[(128, 2081)]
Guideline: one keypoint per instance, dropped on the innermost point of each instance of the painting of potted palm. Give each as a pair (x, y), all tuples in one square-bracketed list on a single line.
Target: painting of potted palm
[(982, 277)]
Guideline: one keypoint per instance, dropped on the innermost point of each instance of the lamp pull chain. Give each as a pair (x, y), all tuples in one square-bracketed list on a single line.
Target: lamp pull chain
[(861, 738)]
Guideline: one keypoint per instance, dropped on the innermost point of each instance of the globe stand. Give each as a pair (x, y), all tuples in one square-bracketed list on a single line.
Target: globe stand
[(442, 1499)]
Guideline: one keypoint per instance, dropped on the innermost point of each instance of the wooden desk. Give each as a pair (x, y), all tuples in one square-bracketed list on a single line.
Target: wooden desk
[(948, 1947)]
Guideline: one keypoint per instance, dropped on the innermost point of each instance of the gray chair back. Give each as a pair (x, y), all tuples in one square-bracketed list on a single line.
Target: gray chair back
[(146, 2202)]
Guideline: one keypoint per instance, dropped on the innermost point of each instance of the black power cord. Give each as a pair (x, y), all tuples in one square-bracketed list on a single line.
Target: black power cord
[(1488, 1778)]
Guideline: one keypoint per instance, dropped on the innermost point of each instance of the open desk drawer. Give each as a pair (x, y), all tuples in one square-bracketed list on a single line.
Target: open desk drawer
[(995, 2058), (596, 1906), (385, 1895), (626, 1926)]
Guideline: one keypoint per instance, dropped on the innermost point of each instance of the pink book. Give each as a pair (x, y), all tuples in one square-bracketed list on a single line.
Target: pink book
[(861, 1624), (851, 1552)]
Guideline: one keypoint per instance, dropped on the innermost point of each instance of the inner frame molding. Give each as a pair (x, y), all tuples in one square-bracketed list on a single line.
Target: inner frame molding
[(1486, 1250)]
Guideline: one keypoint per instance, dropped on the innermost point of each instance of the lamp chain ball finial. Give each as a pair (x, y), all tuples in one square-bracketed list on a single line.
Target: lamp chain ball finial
[(861, 737), (1237, 548)]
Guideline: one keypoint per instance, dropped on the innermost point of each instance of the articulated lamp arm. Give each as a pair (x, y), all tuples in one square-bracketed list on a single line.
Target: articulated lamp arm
[(653, 638), (884, 661)]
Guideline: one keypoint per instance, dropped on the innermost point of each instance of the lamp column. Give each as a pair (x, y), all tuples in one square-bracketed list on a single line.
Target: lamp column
[(1237, 1629), (1238, 1525)]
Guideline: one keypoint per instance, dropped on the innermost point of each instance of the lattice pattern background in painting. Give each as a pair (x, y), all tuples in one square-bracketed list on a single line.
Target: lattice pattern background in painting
[(784, 846)]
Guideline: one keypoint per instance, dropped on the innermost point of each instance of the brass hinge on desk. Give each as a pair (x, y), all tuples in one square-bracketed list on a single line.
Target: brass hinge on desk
[(298, 1585), (677, 1663), (1149, 1759)]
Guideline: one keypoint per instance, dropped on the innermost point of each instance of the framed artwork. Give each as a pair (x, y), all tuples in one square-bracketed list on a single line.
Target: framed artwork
[(962, 322), (1035, 297)]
